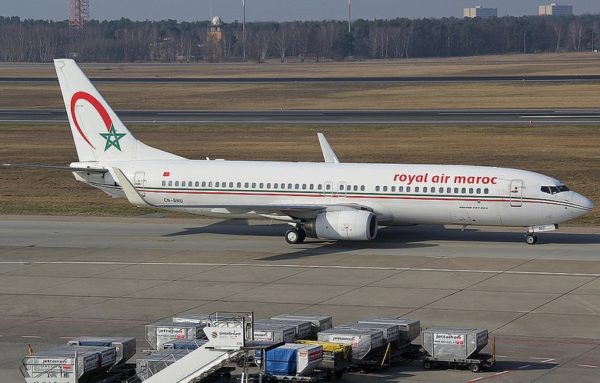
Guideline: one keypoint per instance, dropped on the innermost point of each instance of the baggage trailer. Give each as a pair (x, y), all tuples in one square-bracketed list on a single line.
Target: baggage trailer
[(292, 362), (336, 357), (456, 347), (159, 333)]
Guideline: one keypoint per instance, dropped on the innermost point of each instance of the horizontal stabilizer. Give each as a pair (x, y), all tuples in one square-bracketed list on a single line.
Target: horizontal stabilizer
[(328, 153), (55, 167)]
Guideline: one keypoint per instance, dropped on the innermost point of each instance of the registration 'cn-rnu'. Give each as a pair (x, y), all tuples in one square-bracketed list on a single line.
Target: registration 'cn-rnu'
[(328, 200)]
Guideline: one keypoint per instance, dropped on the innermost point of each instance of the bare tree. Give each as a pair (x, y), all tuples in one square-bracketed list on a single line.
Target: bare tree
[(557, 28), (576, 33)]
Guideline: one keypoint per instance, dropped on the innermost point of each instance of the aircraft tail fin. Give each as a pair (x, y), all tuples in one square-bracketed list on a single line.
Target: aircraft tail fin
[(98, 132)]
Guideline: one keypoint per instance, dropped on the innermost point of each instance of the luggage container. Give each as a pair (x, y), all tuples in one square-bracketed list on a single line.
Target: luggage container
[(205, 319), (336, 357), (366, 343), (390, 332), (125, 347), (184, 344), (409, 329), (63, 362), (292, 360), (274, 332), (303, 328), (149, 365), (161, 332), (319, 322), (458, 347)]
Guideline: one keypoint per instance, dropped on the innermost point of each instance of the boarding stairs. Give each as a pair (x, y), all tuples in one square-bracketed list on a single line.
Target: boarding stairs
[(226, 340)]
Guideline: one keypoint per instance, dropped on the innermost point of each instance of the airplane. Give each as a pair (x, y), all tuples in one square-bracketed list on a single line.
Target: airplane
[(329, 200)]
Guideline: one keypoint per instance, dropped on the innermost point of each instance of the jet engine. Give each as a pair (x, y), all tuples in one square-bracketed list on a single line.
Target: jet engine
[(352, 225)]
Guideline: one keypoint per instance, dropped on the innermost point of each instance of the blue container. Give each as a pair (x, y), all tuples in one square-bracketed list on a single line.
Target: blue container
[(281, 361)]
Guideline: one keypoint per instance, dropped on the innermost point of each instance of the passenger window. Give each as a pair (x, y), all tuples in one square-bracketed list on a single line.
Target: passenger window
[(362, 188), (164, 183), (197, 184), (486, 191), (203, 184), (217, 184), (246, 185), (424, 189), (478, 190), (312, 187), (355, 187), (385, 188), (209, 184), (289, 186), (449, 190), (275, 186), (319, 186), (376, 188), (190, 184), (268, 185), (231, 184), (239, 185), (470, 190), (455, 190), (416, 189), (464, 190), (393, 189), (328, 187), (170, 183), (408, 189), (441, 190), (400, 189), (261, 185), (303, 186), (176, 183), (297, 186)]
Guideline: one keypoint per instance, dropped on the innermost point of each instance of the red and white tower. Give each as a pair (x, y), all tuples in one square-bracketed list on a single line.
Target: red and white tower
[(79, 13)]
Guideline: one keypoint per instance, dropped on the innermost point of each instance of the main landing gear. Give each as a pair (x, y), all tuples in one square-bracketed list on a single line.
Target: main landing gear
[(531, 239), (295, 234)]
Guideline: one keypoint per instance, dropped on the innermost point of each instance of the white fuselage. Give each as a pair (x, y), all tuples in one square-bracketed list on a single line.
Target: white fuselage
[(397, 194)]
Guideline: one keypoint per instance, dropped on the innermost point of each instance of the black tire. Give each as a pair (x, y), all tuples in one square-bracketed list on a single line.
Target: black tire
[(302, 234), (475, 367), (292, 236), (531, 239), (427, 365)]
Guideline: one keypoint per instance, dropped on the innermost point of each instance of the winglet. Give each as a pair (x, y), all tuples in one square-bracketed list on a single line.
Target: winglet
[(328, 153), (130, 192)]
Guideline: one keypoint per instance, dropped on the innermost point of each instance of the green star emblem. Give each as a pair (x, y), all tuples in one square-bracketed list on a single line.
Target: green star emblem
[(112, 138)]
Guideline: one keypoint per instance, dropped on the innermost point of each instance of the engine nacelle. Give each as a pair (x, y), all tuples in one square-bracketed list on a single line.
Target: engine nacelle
[(352, 225)]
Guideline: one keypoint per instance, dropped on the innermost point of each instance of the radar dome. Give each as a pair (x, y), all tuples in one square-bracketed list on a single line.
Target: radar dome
[(216, 20)]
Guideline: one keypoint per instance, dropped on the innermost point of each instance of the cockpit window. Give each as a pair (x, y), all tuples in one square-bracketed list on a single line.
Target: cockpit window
[(554, 189)]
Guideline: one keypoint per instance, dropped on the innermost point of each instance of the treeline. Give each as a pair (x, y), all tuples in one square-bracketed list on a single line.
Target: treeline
[(170, 41)]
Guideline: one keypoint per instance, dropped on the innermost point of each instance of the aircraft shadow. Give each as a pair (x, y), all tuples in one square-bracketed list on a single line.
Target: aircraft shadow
[(391, 237)]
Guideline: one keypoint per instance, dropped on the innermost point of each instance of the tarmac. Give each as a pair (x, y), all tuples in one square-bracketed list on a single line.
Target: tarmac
[(63, 277)]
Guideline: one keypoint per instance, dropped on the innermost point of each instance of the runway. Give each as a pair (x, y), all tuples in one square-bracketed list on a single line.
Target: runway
[(323, 117), (320, 79), (62, 277)]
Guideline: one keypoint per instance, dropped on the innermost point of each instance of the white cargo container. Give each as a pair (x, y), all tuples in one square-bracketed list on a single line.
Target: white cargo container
[(161, 332), (65, 362), (303, 328), (454, 343), (390, 332), (364, 342), (274, 332), (409, 329), (125, 347), (319, 322)]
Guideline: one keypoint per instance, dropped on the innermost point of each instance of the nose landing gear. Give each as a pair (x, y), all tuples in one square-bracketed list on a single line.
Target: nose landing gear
[(531, 239)]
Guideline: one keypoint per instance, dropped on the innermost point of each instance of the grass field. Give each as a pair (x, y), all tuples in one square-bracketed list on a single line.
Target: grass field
[(568, 153)]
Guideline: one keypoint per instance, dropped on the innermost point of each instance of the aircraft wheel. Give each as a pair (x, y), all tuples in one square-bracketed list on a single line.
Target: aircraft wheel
[(294, 236), (302, 234), (475, 367), (531, 239)]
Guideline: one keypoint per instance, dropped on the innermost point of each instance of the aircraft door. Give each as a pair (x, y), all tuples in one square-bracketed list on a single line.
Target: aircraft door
[(516, 193), (139, 182)]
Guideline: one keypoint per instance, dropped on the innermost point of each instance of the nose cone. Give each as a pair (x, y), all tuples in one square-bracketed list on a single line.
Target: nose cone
[(583, 205)]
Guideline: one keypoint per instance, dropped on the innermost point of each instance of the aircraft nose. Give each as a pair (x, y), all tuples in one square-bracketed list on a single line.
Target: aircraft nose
[(584, 205)]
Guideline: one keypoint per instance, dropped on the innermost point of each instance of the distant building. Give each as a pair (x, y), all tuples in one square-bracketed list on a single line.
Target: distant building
[(483, 13), (555, 10), (215, 36)]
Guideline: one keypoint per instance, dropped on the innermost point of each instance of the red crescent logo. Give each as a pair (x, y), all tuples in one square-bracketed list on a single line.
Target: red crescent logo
[(99, 108)]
